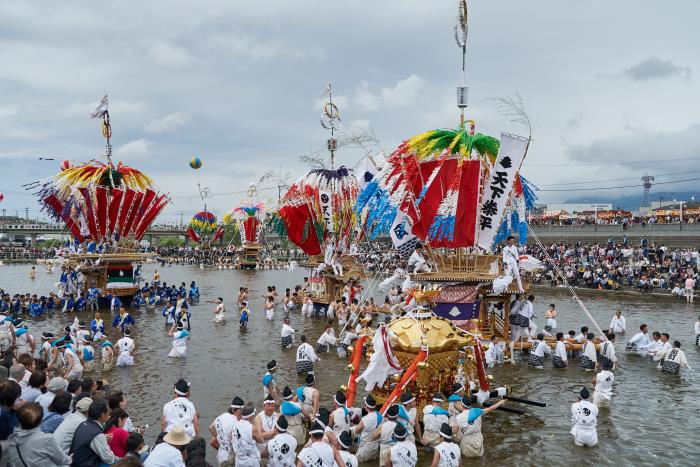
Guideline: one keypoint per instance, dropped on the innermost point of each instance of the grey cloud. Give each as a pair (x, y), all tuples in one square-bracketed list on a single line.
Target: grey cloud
[(655, 68)]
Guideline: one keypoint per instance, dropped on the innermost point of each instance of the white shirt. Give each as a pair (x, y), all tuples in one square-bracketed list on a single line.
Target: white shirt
[(125, 344), (664, 349), (287, 330), (306, 352), (349, 459), (640, 340), (180, 411), (223, 426), (281, 450), (510, 254), (404, 453), (584, 416), (697, 328), (164, 455), (604, 383), (318, 454), (539, 349), (527, 309), (618, 324), (45, 400), (449, 454), (560, 351), (415, 258)]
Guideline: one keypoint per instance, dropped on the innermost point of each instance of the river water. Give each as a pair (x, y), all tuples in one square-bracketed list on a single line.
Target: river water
[(654, 418)]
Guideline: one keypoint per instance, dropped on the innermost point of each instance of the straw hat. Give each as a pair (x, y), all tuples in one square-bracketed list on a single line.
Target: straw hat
[(177, 436)]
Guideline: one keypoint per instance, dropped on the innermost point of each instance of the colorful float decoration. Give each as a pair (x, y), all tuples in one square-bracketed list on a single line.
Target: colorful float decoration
[(317, 215), (204, 229), (107, 209), (457, 193), (248, 217)]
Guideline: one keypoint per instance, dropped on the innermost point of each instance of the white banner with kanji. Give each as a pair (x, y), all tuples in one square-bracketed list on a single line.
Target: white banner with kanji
[(496, 193)]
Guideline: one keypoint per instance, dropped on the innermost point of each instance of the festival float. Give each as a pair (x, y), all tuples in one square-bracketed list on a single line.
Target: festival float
[(317, 215), (457, 193), (248, 219), (106, 209), (204, 229)]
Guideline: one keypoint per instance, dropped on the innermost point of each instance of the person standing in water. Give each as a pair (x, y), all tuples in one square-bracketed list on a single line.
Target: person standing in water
[(584, 416), (219, 311), (179, 335), (618, 323)]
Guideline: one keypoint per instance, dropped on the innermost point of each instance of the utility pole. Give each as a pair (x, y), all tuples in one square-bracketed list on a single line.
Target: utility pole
[(180, 219), (26, 213)]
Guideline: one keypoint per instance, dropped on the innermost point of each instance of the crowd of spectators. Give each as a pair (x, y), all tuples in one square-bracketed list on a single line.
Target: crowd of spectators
[(612, 266), (623, 221)]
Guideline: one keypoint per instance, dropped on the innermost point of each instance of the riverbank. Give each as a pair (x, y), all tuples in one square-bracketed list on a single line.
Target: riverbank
[(622, 293)]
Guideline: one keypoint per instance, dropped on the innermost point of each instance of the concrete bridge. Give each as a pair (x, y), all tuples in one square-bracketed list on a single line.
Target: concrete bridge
[(20, 232), (671, 235)]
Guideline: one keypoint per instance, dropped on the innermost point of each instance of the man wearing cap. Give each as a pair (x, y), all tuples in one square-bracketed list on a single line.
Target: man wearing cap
[(318, 452), (65, 431), (126, 348), (247, 453), (584, 416), (344, 443), (403, 453), (471, 442), (181, 411), (221, 429), (446, 453), (89, 446), (385, 434), (171, 452), (293, 412), (306, 356), (369, 448), (433, 418), (309, 396), (268, 381), (55, 386), (281, 449), (264, 424)]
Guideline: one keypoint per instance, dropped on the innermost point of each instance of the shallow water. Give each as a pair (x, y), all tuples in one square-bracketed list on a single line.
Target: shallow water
[(654, 418)]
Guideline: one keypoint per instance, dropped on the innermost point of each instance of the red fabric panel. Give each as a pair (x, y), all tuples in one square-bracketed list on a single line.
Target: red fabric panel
[(219, 233), (193, 235), (465, 221), (57, 206), (101, 195), (90, 214), (135, 206), (151, 215), (113, 212), (295, 219), (126, 207), (250, 226)]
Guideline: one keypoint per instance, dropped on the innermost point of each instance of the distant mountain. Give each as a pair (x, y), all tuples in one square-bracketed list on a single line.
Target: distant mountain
[(632, 202)]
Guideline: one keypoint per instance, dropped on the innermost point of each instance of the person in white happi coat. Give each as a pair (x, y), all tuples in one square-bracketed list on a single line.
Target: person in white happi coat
[(433, 418), (664, 348), (537, 352), (584, 416), (674, 359), (179, 335), (384, 433), (618, 324), (467, 426), (608, 358), (339, 420), (180, 411), (221, 429), (521, 314), (416, 262), (403, 453), (559, 355), (306, 356), (281, 449), (446, 453), (247, 453), (640, 341), (310, 397), (326, 340), (264, 424), (602, 392), (319, 453), (408, 416), (126, 348), (287, 334), (344, 443), (589, 357), (74, 367), (510, 261), (368, 448)]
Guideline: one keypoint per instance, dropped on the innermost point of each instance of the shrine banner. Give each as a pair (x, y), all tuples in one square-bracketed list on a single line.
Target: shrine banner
[(497, 191), (325, 201), (402, 236)]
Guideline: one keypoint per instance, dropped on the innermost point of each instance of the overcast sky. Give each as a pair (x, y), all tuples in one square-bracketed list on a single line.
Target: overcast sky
[(612, 87)]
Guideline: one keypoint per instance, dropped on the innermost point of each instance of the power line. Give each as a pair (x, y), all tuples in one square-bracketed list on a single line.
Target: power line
[(607, 163), (617, 179), (623, 186)]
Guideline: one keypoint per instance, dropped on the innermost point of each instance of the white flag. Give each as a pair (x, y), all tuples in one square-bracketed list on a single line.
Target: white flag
[(383, 363), (101, 108), (510, 155)]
